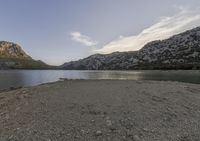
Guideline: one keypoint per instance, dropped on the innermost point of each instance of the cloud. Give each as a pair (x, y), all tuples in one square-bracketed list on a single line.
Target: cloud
[(83, 39), (164, 28)]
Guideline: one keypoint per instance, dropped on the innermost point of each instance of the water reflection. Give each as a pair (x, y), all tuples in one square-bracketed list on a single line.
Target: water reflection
[(17, 78)]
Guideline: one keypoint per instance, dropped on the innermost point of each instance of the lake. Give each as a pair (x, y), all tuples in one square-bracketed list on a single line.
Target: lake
[(20, 78)]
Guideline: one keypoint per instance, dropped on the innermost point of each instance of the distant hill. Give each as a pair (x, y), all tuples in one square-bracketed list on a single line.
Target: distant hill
[(13, 57), (181, 51)]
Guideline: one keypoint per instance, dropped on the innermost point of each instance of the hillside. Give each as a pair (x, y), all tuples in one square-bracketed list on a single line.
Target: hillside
[(13, 57), (181, 51)]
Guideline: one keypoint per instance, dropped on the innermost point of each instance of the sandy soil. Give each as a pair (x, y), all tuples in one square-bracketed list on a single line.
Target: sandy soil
[(102, 110)]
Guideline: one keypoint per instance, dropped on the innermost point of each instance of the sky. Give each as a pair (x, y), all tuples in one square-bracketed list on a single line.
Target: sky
[(58, 31)]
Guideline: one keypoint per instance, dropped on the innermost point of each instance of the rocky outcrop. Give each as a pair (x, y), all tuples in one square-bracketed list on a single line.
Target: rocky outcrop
[(13, 57), (12, 50), (181, 51)]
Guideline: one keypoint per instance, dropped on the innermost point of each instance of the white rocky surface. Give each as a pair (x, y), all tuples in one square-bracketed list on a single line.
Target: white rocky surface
[(181, 51)]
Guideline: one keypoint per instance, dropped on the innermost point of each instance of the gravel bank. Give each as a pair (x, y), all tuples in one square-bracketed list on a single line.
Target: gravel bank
[(101, 110)]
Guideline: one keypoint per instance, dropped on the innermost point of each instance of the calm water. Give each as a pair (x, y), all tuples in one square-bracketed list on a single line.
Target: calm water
[(17, 78)]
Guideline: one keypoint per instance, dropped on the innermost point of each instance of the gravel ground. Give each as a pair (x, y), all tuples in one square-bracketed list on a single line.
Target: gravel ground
[(101, 110)]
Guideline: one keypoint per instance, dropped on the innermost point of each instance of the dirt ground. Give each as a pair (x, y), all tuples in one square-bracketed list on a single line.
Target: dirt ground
[(101, 110)]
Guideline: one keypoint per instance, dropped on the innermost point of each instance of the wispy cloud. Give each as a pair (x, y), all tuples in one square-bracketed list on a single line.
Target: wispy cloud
[(83, 39), (166, 27)]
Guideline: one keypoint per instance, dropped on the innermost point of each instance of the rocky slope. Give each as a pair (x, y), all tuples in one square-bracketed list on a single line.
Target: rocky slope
[(181, 51), (11, 50), (13, 57)]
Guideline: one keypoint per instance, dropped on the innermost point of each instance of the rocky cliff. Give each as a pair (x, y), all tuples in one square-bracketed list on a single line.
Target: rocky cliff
[(13, 57), (11, 50), (181, 51)]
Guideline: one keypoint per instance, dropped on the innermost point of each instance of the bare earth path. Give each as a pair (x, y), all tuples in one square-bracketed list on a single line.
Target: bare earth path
[(102, 110)]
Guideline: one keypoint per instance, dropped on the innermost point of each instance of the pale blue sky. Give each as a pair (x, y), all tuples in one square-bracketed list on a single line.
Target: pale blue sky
[(57, 31)]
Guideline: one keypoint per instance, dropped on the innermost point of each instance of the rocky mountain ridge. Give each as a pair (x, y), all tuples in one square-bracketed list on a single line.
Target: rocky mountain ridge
[(12, 56), (12, 50), (181, 51)]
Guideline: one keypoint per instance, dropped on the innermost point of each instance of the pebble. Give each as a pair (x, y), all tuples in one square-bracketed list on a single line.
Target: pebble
[(108, 122), (112, 128), (11, 137), (129, 133), (136, 138), (98, 133), (145, 129), (83, 131)]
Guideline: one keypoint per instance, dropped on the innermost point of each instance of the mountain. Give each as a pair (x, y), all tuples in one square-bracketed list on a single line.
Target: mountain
[(11, 50), (13, 57), (181, 51)]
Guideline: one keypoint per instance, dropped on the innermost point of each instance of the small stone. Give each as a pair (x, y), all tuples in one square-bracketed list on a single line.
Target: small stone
[(23, 92), (68, 134), (18, 108), (7, 117), (145, 129), (129, 133), (98, 133), (136, 138), (185, 113), (76, 136), (112, 128), (10, 137), (83, 131), (18, 128), (87, 131), (124, 137), (108, 122)]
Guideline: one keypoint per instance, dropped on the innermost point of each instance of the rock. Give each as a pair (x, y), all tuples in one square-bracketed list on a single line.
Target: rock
[(178, 52), (13, 56), (98, 133), (136, 138), (11, 137), (11, 50), (145, 129), (108, 122), (129, 133), (82, 131), (112, 128)]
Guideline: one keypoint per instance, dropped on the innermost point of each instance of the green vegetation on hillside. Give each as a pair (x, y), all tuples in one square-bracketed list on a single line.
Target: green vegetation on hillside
[(13, 63)]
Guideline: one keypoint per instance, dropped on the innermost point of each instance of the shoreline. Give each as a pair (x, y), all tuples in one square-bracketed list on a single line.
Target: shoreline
[(102, 110), (66, 79)]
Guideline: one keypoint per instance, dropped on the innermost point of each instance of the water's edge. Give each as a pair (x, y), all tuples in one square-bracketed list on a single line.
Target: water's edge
[(22, 78)]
